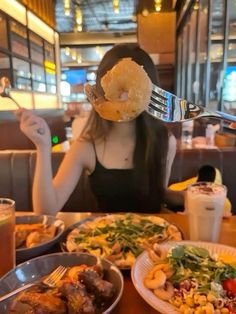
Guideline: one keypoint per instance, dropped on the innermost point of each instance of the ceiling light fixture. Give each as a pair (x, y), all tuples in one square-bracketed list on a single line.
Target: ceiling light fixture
[(196, 5), (79, 16), (145, 12), (116, 6), (97, 49), (67, 51), (157, 4), (74, 55), (79, 59), (67, 7), (79, 19), (79, 28)]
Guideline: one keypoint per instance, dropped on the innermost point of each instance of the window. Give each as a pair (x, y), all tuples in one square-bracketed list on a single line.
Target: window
[(26, 58), (21, 74), (49, 52), (3, 32), (36, 48), (50, 68), (5, 65), (19, 43), (38, 78)]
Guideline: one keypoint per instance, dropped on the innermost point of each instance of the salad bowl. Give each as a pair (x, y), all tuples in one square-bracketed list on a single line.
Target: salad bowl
[(143, 265)]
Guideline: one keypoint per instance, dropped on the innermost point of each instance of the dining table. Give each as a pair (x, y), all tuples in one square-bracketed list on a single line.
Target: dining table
[(131, 302)]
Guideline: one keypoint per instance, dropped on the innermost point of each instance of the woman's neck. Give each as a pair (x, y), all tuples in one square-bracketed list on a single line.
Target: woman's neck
[(123, 129)]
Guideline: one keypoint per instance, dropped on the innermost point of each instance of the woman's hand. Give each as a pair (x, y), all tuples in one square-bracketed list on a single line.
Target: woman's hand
[(35, 128)]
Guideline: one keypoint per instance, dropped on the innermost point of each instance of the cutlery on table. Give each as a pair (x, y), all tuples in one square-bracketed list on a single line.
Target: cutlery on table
[(51, 281), (5, 87)]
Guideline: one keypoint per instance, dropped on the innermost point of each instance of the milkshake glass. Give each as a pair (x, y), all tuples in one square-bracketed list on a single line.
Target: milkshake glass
[(205, 207)]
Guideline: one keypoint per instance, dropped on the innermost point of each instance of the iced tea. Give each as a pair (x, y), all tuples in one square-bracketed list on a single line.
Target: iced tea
[(7, 235)]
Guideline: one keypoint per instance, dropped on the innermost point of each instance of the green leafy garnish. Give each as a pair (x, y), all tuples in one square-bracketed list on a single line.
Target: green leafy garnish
[(191, 262)]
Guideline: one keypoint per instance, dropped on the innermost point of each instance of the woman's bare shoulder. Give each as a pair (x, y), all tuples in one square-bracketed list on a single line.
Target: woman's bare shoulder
[(172, 141), (84, 152), (172, 147)]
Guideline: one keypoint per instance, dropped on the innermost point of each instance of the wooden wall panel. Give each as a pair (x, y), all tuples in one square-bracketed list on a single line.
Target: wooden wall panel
[(44, 9), (156, 32), (157, 36)]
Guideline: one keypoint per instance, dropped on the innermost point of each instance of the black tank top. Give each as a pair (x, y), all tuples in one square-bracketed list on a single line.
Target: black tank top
[(115, 191)]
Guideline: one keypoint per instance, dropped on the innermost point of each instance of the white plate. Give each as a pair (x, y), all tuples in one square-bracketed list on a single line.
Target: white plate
[(143, 265)]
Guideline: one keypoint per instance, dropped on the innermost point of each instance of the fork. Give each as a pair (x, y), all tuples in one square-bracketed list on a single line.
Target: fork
[(50, 281), (169, 108), (5, 87)]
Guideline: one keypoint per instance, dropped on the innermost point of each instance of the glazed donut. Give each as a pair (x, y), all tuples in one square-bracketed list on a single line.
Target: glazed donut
[(127, 91)]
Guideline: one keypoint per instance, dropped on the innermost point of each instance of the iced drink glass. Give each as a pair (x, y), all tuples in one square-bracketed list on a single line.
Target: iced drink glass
[(205, 208), (7, 235)]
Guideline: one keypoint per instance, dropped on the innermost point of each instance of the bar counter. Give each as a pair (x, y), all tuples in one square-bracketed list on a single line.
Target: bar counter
[(131, 302)]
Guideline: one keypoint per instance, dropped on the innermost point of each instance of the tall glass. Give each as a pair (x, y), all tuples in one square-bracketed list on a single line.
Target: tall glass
[(205, 207), (7, 235)]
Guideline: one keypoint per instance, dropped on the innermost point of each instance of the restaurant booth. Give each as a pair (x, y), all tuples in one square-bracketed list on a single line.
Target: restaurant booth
[(188, 49)]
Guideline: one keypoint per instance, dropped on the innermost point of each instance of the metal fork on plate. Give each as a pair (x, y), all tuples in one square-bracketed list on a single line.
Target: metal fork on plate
[(169, 108), (50, 281)]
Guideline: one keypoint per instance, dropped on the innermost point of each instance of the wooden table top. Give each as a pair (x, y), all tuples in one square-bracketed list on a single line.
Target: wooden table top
[(131, 302)]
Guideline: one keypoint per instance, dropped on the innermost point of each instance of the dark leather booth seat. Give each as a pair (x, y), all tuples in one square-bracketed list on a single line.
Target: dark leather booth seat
[(17, 169), (188, 162), (199, 126), (16, 179), (12, 138)]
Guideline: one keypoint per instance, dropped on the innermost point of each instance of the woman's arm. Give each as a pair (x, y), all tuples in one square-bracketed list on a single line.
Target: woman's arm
[(80, 156), (49, 195), (173, 199), (43, 193), (170, 157)]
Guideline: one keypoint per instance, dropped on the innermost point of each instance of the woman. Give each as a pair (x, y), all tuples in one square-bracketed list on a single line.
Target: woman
[(128, 163)]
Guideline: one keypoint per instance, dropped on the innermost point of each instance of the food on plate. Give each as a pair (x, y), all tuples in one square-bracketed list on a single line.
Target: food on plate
[(82, 290), (120, 238), (40, 236), (31, 235), (127, 91), (38, 299), (227, 259), (193, 280)]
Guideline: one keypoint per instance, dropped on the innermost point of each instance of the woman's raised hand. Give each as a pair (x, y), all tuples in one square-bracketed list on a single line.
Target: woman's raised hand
[(35, 128)]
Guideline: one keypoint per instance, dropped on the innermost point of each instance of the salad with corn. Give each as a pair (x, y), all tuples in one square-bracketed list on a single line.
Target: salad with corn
[(193, 280)]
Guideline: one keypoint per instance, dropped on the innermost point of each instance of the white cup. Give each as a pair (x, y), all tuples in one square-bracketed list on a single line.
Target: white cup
[(204, 205), (187, 134)]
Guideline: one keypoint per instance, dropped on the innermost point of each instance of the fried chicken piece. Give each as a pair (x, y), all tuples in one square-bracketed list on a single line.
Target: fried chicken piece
[(102, 289), (36, 302), (21, 238), (40, 236), (78, 300), (28, 227), (23, 230)]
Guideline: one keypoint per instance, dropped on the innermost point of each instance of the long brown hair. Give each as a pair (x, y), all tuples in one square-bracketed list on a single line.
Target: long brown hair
[(151, 135)]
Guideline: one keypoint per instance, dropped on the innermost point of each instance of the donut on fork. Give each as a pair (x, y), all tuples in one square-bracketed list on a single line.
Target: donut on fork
[(127, 91)]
